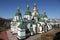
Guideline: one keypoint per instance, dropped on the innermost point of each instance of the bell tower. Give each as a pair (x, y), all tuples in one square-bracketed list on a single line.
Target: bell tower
[(35, 10)]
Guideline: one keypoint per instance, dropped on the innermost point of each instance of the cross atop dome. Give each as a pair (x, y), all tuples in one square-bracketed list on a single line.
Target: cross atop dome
[(18, 9), (27, 7)]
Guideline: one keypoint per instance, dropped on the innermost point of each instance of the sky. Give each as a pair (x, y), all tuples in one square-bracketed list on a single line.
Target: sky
[(8, 8)]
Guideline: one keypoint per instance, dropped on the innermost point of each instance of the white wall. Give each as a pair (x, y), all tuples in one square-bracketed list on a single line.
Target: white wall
[(34, 13), (21, 33), (28, 17), (14, 27), (34, 26), (49, 26)]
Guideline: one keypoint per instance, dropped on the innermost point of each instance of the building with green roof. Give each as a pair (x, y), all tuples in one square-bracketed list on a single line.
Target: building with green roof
[(34, 22), (27, 13), (18, 13), (22, 25)]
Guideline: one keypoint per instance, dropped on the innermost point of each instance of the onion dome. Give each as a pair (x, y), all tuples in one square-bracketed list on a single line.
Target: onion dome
[(27, 11), (18, 12), (35, 10), (22, 25)]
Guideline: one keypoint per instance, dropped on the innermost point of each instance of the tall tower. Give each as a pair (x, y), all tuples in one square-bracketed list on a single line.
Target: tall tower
[(27, 13), (17, 15), (35, 10), (16, 21)]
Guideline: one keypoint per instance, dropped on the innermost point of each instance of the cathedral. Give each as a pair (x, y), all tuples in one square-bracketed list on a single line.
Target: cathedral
[(31, 23)]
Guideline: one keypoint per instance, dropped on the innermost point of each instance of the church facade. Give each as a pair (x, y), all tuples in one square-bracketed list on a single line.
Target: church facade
[(31, 23)]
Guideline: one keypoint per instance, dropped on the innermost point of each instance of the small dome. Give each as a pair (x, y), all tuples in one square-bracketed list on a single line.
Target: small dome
[(18, 12), (27, 12), (22, 25)]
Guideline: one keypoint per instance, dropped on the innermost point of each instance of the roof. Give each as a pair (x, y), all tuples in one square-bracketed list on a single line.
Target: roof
[(27, 12), (22, 25), (18, 12)]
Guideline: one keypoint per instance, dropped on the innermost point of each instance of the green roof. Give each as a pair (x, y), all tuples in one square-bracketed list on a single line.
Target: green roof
[(22, 25), (18, 12), (27, 12)]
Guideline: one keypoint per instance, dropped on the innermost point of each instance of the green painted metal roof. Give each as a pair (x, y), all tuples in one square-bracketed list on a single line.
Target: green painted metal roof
[(18, 12), (22, 25), (27, 12)]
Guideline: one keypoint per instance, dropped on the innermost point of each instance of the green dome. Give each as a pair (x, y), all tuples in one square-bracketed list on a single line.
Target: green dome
[(27, 12), (22, 25), (18, 12)]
